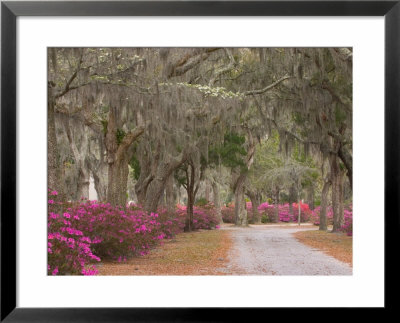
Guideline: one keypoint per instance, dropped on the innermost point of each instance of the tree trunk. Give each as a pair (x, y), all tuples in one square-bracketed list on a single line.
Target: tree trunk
[(240, 203), (216, 200), (190, 179), (169, 192), (141, 187), (276, 217), (156, 188), (116, 190), (255, 202), (118, 172), (240, 210), (178, 194), (347, 160), (189, 212), (299, 210), (207, 189), (292, 199), (118, 160), (148, 167), (341, 200), (54, 175), (98, 166), (337, 193), (324, 204), (163, 201), (79, 157), (258, 199), (310, 197)]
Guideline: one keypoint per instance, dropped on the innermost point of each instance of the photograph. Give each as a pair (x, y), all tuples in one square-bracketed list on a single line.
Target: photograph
[(196, 159), (212, 161)]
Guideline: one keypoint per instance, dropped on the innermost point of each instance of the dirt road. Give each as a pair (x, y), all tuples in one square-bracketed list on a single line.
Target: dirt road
[(272, 250)]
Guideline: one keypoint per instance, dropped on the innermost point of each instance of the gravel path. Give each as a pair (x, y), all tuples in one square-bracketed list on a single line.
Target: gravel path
[(272, 250)]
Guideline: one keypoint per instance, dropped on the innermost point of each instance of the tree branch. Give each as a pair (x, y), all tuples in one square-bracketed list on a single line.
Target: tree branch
[(71, 79), (83, 117), (325, 85), (188, 62), (269, 87), (226, 69), (347, 160), (344, 54)]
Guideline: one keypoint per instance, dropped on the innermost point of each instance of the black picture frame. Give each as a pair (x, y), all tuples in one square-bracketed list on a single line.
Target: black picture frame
[(11, 10)]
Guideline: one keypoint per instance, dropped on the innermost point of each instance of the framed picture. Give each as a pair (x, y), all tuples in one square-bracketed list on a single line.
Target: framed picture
[(370, 28)]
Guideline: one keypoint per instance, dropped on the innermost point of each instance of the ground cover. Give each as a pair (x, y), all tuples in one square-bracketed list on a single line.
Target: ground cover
[(337, 245), (194, 253)]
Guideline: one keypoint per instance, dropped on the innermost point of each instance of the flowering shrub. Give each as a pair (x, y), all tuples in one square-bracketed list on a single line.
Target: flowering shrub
[(250, 215), (68, 248), (82, 233), (204, 217), (348, 221), (228, 213), (171, 224), (268, 212), (284, 214), (121, 232), (305, 212), (348, 218), (315, 215)]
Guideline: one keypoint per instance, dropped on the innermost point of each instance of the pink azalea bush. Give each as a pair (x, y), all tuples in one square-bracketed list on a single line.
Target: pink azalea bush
[(121, 232), (305, 212), (228, 213), (171, 224), (268, 212), (250, 215), (80, 234), (348, 220), (204, 217), (69, 249), (347, 226), (315, 215), (284, 214)]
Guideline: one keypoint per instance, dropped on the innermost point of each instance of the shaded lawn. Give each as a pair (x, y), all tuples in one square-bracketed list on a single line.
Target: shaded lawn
[(194, 253), (337, 245)]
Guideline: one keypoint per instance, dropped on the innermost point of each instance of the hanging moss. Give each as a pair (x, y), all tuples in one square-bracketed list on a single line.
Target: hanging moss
[(187, 110)]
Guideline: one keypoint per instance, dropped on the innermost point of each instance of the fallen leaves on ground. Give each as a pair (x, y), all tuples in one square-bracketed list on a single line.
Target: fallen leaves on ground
[(292, 226), (194, 253), (337, 245)]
